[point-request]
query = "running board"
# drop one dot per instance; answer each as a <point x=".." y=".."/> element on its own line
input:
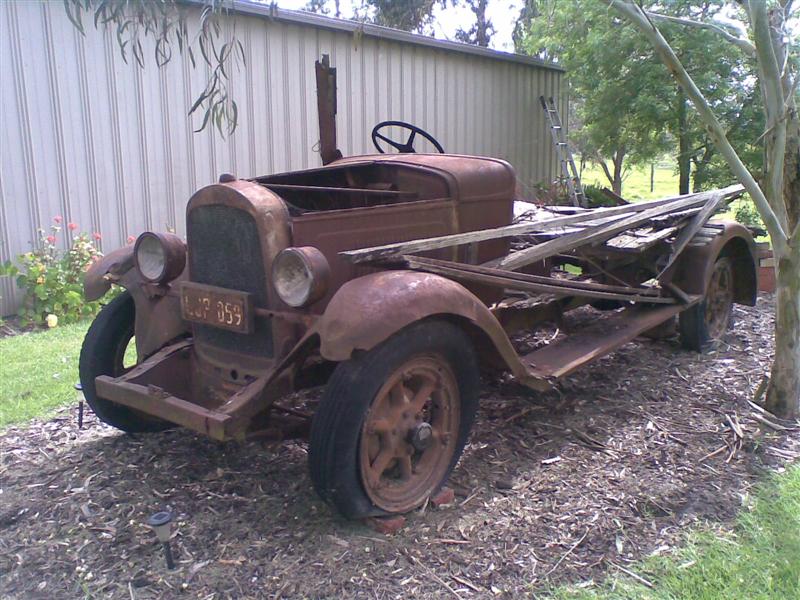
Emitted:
<point x="606" y="335"/>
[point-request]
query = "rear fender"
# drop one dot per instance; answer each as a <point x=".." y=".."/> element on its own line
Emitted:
<point x="692" y="271"/>
<point x="368" y="310"/>
<point x="158" y="310"/>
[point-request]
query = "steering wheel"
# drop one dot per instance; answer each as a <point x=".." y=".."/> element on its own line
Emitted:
<point x="408" y="147"/>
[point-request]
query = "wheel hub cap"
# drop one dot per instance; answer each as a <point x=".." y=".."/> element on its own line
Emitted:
<point x="421" y="436"/>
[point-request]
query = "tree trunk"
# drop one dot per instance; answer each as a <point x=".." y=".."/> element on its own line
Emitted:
<point x="783" y="394"/>
<point x="616" y="182"/>
<point x="700" y="175"/>
<point x="615" y="178"/>
<point x="684" y="158"/>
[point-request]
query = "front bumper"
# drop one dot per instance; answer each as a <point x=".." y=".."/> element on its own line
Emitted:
<point x="164" y="384"/>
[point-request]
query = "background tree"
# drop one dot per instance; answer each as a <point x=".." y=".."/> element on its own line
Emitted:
<point x="773" y="46"/>
<point x="409" y="15"/>
<point x="623" y="103"/>
<point x="725" y="76"/>
<point x="480" y="34"/>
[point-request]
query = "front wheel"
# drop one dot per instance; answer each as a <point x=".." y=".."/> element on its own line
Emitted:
<point x="103" y="353"/>
<point x="393" y="422"/>
<point x="704" y="324"/>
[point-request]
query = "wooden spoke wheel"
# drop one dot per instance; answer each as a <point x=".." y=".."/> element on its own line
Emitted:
<point x="394" y="420"/>
<point x="704" y="324"/>
<point x="719" y="299"/>
<point x="409" y="434"/>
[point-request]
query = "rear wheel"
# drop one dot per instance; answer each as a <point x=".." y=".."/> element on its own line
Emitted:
<point x="393" y="422"/>
<point x="704" y="324"/>
<point x="103" y="353"/>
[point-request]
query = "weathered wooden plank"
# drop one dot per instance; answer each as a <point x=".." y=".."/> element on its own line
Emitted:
<point x="694" y="226"/>
<point x="600" y="233"/>
<point x="504" y="280"/>
<point x="636" y="242"/>
<point x="596" y="215"/>
<point x="420" y="261"/>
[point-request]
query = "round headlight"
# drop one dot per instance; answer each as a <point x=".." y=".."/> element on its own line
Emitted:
<point x="160" y="257"/>
<point x="300" y="275"/>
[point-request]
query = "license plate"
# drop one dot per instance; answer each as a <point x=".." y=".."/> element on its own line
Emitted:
<point x="228" y="309"/>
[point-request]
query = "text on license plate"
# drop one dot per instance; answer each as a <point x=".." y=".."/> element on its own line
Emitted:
<point x="219" y="307"/>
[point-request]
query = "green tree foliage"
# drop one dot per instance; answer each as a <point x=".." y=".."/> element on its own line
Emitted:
<point x="730" y="89"/>
<point x="481" y="32"/>
<point x="408" y="15"/>
<point x="617" y="86"/>
<point x="626" y="108"/>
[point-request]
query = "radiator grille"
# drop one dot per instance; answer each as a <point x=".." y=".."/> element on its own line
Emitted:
<point x="225" y="250"/>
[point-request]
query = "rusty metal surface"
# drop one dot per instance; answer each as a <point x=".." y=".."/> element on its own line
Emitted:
<point x="692" y="271"/>
<point x="605" y="335"/>
<point x="115" y="263"/>
<point x="368" y="310"/>
<point x="410" y="434"/>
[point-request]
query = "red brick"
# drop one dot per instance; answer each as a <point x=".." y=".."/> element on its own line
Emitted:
<point x="386" y="525"/>
<point x="444" y="497"/>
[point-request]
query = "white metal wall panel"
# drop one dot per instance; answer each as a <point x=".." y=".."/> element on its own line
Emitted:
<point x="110" y="146"/>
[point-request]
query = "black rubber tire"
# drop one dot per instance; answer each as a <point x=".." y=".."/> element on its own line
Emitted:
<point x="693" y="328"/>
<point x="101" y="354"/>
<point x="336" y="429"/>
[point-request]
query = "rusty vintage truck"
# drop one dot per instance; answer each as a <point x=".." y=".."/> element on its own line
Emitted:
<point x="390" y="280"/>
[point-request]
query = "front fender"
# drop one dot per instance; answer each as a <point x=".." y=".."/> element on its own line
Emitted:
<point x="366" y="311"/>
<point x="158" y="312"/>
<point x="96" y="281"/>
<point x="692" y="271"/>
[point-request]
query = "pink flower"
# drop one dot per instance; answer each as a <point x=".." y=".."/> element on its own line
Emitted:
<point x="97" y="236"/>
<point x="51" y="239"/>
<point x="131" y="239"/>
<point x="58" y="219"/>
<point x="72" y="226"/>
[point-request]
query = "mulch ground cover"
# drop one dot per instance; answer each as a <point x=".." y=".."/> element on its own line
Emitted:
<point x="561" y="487"/>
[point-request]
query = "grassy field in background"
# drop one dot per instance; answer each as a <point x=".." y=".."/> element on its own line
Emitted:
<point x="759" y="559"/>
<point x="636" y="184"/>
<point x="38" y="371"/>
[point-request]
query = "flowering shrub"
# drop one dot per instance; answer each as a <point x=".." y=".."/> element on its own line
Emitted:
<point x="52" y="279"/>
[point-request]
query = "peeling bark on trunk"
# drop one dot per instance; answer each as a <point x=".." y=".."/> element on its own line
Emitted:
<point x="783" y="394"/>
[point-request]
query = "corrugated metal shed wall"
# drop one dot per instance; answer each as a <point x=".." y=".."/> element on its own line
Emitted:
<point x="108" y="145"/>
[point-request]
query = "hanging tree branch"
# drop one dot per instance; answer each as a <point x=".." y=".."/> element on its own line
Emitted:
<point x="745" y="45"/>
<point x="165" y="22"/>
<point x="775" y="222"/>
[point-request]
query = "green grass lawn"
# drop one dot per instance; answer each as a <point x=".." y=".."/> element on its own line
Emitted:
<point x="758" y="560"/>
<point x="636" y="184"/>
<point x="37" y="372"/>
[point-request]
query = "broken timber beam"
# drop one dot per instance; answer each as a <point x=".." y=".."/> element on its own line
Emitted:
<point x="595" y="216"/>
<point x="693" y="227"/>
<point x="533" y="283"/>
<point x="600" y="233"/>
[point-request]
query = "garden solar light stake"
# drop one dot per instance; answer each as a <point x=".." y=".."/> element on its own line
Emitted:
<point x="81" y="398"/>
<point x="160" y="523"/>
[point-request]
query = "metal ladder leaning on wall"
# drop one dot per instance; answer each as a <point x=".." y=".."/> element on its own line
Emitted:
<point x="563" y="152"/>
